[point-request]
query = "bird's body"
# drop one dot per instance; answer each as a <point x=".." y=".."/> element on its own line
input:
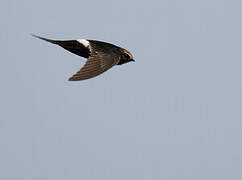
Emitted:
<point x="101" y="56"/>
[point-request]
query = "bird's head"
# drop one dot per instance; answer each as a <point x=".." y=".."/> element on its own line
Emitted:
<point x="127" y="56"/>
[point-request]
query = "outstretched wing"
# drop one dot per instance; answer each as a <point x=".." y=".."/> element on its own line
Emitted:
<point x="96" y="64"/>
<point x="75" y="46"/>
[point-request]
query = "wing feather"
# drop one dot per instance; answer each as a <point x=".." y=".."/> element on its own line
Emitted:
<point x="73" y="46"/>
<point x="95" y="65"/>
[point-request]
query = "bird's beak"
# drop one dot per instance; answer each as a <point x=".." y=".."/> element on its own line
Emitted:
<point x="132" y="60"/>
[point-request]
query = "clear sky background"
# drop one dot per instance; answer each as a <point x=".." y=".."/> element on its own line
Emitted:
<point x="174" y="114"/>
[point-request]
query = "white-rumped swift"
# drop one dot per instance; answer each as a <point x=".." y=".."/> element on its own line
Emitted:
<point x="101" y="56"/>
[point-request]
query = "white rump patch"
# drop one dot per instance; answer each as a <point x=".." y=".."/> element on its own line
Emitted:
<point x="84" y="42"/>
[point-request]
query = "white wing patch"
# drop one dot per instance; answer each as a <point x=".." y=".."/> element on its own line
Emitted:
<point x="84" y="42"/>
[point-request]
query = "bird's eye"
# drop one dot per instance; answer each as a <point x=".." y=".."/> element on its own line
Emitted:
<point x="126" y="56"/>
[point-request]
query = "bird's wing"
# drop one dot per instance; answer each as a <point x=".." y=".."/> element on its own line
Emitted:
<point x="73" y="46"/>
<point x="96" y="64"/>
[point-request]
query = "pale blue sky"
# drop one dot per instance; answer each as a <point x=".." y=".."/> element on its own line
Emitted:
<point x="174" y="114"/>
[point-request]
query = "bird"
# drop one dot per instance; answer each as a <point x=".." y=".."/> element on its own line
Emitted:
<point x="101" y="56"/>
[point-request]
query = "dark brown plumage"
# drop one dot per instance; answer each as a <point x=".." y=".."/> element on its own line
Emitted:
<point x="101" y="56"/>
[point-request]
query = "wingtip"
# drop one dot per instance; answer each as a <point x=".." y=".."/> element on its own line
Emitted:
<point x="72" y="79"/>
<point x="75" y="78"/>
<point x="35" y="36"/>
<point x="45" y="39"/>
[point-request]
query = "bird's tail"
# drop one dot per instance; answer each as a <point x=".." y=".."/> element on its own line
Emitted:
<point x="45" y="39"/>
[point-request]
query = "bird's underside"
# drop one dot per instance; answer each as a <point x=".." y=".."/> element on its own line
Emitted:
<point x="100" y="56"/>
